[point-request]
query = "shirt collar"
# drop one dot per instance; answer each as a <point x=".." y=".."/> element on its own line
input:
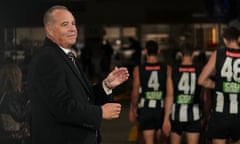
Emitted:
<point x="66" y="51"/>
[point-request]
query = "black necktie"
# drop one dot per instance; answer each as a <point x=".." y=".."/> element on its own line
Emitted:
<point x="72" y="57"/>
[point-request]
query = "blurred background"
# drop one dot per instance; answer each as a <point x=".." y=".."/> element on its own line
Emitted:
<point x="113" y="33"/>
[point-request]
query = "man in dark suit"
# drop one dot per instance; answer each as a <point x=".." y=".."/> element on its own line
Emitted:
<point x="66" y="108"/>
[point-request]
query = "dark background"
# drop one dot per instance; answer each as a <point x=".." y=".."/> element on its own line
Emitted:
<point x="29" y="13"/>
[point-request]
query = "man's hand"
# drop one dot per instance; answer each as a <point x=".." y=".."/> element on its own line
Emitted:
<point x="116" y="77"/>
<point x="132" y="114"/>
<point x="111" y="110"/>
<point x="166" y="127"/>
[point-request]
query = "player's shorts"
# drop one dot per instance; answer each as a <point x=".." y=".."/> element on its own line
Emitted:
<point x="224" y="126"/>
<point x="191" y="127"/>
<point x="150" y="118"/>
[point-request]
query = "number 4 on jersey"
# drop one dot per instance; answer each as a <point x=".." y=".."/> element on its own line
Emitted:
<point x="153" y="81"/>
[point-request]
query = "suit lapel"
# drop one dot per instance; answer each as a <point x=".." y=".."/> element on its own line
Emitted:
<point x="82" y="79"/>
<point x="80" y="75"/>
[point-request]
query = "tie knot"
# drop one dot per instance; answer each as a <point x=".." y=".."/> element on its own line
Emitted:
<point x="71" y="55"/>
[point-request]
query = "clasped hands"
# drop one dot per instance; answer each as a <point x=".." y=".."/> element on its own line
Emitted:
<point x="114" y="79"/>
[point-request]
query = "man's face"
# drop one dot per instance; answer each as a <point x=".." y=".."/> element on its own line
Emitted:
<point x="62" y="28"/>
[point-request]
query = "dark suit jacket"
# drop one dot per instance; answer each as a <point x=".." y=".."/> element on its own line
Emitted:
<point x="65" y="106"/>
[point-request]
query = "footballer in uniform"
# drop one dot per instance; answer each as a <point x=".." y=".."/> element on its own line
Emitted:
<point x="149" y="89"/>
<point x="225" y="109"/>
<point x="183" y="101"/>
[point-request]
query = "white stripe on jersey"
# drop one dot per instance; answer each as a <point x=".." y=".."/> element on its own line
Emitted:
<point x="184" y="110"/>
<point x="219" y="102"/>
<point x="162" y="103"/>
<point x="140" y="90"/>
<point x="173" y="111"/>
<point x="196" y="112"/>
<point x="152" y="103"/>
<point x="233" y="104"/>
<point x="141" y="103"/>
<point x="183" y="117"/>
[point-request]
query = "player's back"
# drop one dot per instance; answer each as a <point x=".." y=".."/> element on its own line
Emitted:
<point x="152" y="84"/>
<point x="187" y="92"/>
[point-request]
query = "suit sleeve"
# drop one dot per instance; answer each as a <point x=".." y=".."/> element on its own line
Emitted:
<point x="50" y="87"/>
<point x="100" y="95"/>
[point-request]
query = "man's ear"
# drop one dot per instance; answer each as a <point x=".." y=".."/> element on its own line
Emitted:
<point x="195" y="54"/>
<point x="179" y="55"/>
<point x="225" y="41"/>
<point x="49" y="29"/>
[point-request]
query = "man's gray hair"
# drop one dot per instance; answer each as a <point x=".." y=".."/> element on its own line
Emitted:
<point x="48" y="13"/>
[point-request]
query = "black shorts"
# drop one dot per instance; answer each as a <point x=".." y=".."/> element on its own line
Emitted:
<point x="180" y="127"/>
<point x="150" y="118"/>
<point x="224" y="126"/>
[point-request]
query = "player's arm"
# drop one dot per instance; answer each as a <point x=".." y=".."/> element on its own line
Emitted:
<point x="168" y="102"/>
<point x="208" y="69"/>
<point x="134" y="94"/>
<point x="206" y="97"/>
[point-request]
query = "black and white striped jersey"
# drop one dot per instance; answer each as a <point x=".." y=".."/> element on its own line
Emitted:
<point x="152" y="85"/>
<point x="186" y="106"/>
<point x="227" y="91"/>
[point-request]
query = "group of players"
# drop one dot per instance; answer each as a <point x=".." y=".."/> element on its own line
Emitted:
<point x="172" y="100"/>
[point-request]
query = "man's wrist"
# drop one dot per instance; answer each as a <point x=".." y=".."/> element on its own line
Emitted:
<point x="106" y="88"/>
<point x="107" y="84"/>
